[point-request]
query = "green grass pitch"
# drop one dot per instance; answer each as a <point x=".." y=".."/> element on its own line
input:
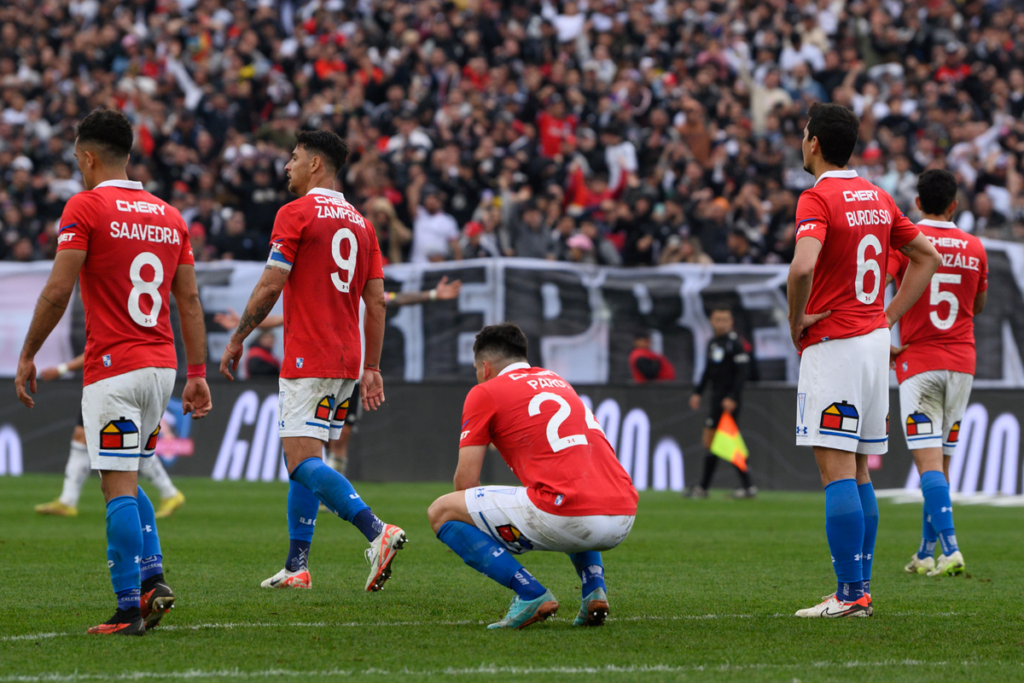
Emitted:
<point x="701" y="591"/>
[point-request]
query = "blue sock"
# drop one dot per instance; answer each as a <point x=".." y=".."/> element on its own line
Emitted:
<point x="929" y="537"/>
<point x="335" y="491"/>
<point x="869" y="504"/>
<point x="844" y="526"/>
<point x="480" y="552"/>
<point x="302" y="509"/>
<point x="152" y="557"/>
<point x="124" y="548"/>
<point x="940" y="508"/>
<point x="590" y="569"/>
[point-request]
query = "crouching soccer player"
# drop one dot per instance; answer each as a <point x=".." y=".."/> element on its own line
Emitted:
<point x="935" y="364"/>
<point x="575" y="497"/>
<point x="130" y="252"/>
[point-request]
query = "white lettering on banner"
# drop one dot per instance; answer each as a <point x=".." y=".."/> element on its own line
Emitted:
<point x="861" y="196"/>
<point x="141" y="207"/>
<point x="150" y="233"/>
<point x="264" y="453"/>
<point x="10" y="452"/>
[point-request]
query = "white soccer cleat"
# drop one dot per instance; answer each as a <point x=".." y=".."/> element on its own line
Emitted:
<point x="832" y="607"/>
<point x="919" y="566"/>
<point x="287" y="579"/>
<point x="380" y="555"/>
<point x="949" y="565"/>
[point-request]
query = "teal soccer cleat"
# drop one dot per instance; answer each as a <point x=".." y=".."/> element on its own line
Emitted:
<point x="593" y="609"/>
<point x="522" y="613"/>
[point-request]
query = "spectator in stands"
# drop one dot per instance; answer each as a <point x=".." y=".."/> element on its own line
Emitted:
<point x="238" y="243"/>
<point x="392" y="234"/>
<point x="646" y="364"/>
<point x="435" y="234"/>
<point x="261" y="361"/>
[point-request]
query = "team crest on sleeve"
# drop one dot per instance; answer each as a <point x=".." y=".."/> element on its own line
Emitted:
<point x="919" y="424"/>
<point x="954" y="433"/>
<point x="151" y="441"/>
<point x="514" y="538"/>
<point x="841" y="417"/>
<point x="119" y="435"/>
<point x="341" y="412"/>
<point x="324" y="408"/>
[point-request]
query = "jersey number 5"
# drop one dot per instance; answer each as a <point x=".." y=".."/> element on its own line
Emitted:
<point x="938" y="296"/>
<point x="140" y="287"/>
<point x="347" y="265"/>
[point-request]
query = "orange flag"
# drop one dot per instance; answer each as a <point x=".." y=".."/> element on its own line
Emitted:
<point x="728" y="443"/>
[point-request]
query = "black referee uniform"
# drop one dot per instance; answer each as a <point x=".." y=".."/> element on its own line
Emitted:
<point x="726" y="371"/>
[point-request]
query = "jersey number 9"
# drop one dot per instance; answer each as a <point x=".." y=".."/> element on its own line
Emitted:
<point x="347" y="265"/>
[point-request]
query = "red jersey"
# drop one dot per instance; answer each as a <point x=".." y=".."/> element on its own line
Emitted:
<point x="857" y="224"/>
<point x="550" y="440"/>
<point x="553" y="131"/>
<point x="939" y="327"/>
<point x="134" y="244"/>
<point x="666" y="372"/>
<point x="331" y="251"/>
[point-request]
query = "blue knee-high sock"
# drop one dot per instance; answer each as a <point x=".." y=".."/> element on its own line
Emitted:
<point x="940" y="508"/>
<point x="335" y="491"/>
<point x="480" y="552"/>
<point x="124" y="547"/>
<point x="302" y="509"/>
<point x="590" y="569"/>
<point x="869" y="504"/>
<point x="152" y="557"/>
<point x="929" y="536"/>
<point x="844" y="526"/>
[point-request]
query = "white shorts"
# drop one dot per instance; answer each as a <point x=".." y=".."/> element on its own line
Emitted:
<point x="313" y="406"/>
<point x="842" y="398"/>
<point x="121" y="416"/>
<point x="931" y="406"/>
<point x="508" y="516"/>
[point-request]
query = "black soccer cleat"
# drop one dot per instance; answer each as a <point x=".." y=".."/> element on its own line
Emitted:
<point x="156" y="602"/>
<point x="124" y="623"/>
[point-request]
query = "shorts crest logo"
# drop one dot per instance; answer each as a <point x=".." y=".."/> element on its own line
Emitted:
<point x="954" y="433"/>
<point x="341" y="412"/>
<point x="841" y="417"/>
<point x="919" y="424"/>
<point x="119" y="435"/>
<point x="514" y="538"/>
<point x="324" y="408"/>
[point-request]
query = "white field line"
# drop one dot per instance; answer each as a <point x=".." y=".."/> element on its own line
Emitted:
<point x="483" y="670"/>
<point x="467" y="622"/>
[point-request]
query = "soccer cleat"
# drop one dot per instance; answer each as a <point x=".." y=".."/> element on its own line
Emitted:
<point x="522" y="613"/>
<point x="381" y="554"/>
<point x="155" y="603"/>
<point x="593" y="609"/>
<point x="123" y="623"/>
<point x="339" y="465"/>
<point x="919" y="566"/>
<point x="58" y="508"/>
<point x="741" y="493"/>
<point x="169" y="505"/>
<point x="287" y="579"/>
<point x="696" y="492"/>
<point x="949" y="565"/>
<point x="832" y="607"/>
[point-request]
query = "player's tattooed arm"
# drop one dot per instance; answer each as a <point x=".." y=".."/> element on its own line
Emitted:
<point x="251" y="319"/>
<point x="263" y="299"/>
<point x="906" y="249"/>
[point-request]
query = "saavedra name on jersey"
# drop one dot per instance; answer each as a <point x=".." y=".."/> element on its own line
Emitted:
<point x="150" y="233"/>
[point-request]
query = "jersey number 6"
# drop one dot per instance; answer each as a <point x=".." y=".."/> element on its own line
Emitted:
<point x="867" y="265"/>
<point x="348" y="265"/>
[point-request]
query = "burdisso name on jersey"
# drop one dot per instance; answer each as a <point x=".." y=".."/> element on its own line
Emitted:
<point x="869" y="217"/>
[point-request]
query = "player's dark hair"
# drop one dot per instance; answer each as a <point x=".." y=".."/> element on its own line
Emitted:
<point x="721" y="307"/>
<point x="937" y="190"/>
<point x="326" y="145"/>
<point x="836" y="128"/>
<point x="110" y="130"/>
<point x="504" y="339"/>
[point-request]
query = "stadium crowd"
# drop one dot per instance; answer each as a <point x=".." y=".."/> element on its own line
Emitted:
<point x="598" y="131"/>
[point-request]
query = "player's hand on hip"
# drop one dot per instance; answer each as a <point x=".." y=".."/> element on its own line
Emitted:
<point x="728" y="405"/>
<point x="26" y="374"/>
<point x="229" y="361"/>
<point x="800" y="324"/>
<point x="371" y="390"/>
<point x="895" y="351"/>
<point x="695" y="402"/>
<point x="196" y="398"/>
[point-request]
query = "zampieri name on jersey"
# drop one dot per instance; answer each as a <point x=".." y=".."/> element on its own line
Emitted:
<point x="333" y="207"/>
<point x="150" y="233"/>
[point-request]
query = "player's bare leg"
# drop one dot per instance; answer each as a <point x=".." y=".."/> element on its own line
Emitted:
<point x="933" y="467"/>
<point x="303" y="455"/>
<point x="844" y="527"/>
<point x="76" y="473"/>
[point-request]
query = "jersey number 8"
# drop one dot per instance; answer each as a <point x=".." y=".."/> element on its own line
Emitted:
<point x="347" y="265"/>
<point x="140" y="287"/>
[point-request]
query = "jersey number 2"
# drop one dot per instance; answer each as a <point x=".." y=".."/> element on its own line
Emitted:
<point x="347" y="265"/>
<point x="140" y="287"/>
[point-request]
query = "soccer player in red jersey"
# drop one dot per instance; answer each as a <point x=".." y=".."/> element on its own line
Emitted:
<point x="129" y="251"/>
<point x="935" y="364"/>
<point x="838" y="320"/>
<point x="575" y="498"/>
<point x="324" y="257"/>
